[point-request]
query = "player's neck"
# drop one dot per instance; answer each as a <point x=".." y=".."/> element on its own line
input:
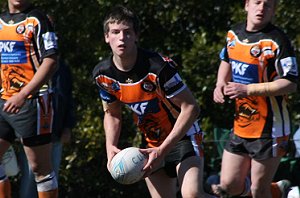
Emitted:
<point x="125" y="63"/>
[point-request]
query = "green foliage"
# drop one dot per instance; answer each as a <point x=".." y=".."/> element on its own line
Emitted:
<point x="191" y="32"/>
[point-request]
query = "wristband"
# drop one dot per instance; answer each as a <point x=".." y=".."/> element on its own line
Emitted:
<point x="261" y="89"/>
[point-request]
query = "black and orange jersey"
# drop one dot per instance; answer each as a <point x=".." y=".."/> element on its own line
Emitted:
<point x="25" y="39"/>
<point x="257" y="57"/>
<point x="146" y="90"/>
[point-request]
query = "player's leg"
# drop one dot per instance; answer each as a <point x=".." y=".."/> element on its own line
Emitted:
<point x="7" y="136"/>
<point x="262" y="173"/>
<point x="36" y="138"/>
<point x="160" y="185"/>
<point x="266" y="156"/>
<point x="190" y="167"/>
<point x="190" y="177"/>
<point x="5" y="188"/>
<point x="39" y="158"/>
<point x="27" y="181"/>
<point x="234" y="171"/>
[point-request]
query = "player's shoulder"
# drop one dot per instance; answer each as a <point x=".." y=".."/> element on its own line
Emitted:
<point x="156" y="60"/>
<point x="238" y="27"/>
<point x="102" y="67"/>
<point x="36" y="12"/>
<point x="276" y="33"/>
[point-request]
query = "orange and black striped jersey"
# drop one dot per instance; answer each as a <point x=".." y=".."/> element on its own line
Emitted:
<point x="257" y="57"/>
<point x="146" y="90"/>
<point x="25" y="39"/>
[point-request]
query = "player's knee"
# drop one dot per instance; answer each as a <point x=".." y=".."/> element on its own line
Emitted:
<point x="47" y="183"/>
<point x="189" y="193"/>
<point x="231" y="188"/>
<point x="258" y="191"/>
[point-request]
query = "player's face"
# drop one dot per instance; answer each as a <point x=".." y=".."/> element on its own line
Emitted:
<point x="122" y="38"/>
<point x="260" y="13"/>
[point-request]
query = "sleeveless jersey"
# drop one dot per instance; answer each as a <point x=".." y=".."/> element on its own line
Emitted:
<point x="257" y="57"/>
<point x="146" y="90"/>
<point x="25" y="39"/>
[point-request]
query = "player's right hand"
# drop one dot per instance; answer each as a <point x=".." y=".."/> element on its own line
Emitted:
<point x="219" y="95"/>
<point x="111" y="152"/>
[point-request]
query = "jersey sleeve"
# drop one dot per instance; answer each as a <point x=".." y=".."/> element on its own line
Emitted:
<point x="45" y="37"/>
<point x="286" y="64"/>
<point x="106" y="96"/>
<point x="170" y="81"/>
<point x="223" y="55"/>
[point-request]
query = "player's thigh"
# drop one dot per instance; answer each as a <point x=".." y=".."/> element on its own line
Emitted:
<point x="190" y="175"/>
<point x="263" y="171"/>
<point x="39" y="158"/>
<point x="235" y="168"/>
<point x="161" y="185"/>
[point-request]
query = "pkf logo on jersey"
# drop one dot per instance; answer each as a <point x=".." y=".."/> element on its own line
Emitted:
<point x="140" y="108"/>
<point x="244" y="73"/>
<point x="12" y="52"/>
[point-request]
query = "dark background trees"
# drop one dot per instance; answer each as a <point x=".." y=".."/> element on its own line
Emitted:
<point x="191" y="32"/>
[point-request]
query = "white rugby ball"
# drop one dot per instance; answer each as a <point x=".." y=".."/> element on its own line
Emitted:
<point x="126" y="166"/>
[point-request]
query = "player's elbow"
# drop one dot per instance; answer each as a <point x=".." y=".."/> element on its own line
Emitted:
<point x="196" y="111"/>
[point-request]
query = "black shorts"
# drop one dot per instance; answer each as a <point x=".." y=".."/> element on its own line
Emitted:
<point x="187" y="147"/>
<point x="32" y="124"/>
<point x="257" y="148"/>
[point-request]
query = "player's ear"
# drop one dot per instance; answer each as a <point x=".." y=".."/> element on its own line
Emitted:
<point x="246" y="5"/>
<point x="106" y="37"/>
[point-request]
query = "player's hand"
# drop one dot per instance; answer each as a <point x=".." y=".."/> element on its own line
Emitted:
<point x="218" y="94"/>
<point x="154" y="160"/>
<point x="14" y="104"/>
<point x="235" y="90"/>
<point x="111" y="152"/>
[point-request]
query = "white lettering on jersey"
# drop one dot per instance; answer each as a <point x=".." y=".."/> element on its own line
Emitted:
<point x="49" y="40"/>
<point x="7" y="46"/>
<point x="289" y="66"/>
<point x="139" y="108"/>
<point x="239" y="68"/>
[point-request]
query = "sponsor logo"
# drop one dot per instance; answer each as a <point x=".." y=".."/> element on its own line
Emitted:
<point x="49" y="39"/>
<point x="148" y="86"/>
<point x="139" y="108"/>
<point x="289" y="66"/>
<point x="255" y="51"/>
<point x="245" y="40"/>
<point x="7" y="46"/>
<point x="20" y="29"/>
<point x="239" y="68"/>
<point x="129" y="80"/>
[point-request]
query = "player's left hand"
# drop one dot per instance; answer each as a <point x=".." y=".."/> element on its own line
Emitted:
<point x="235" y="90"/>
<point x="14" y="104"/>
<point x="154" y="159"/>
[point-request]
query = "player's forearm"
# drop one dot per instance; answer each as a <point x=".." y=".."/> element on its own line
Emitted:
<point x="112" y="127"/>
<point x="224" y="74"/>
<point x="275" y="88"/>
<point x="43" y="74"/>
<point x="186" y="119"/>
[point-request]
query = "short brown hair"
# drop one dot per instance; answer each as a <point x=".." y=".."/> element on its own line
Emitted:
<point x="121" y="14"/>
